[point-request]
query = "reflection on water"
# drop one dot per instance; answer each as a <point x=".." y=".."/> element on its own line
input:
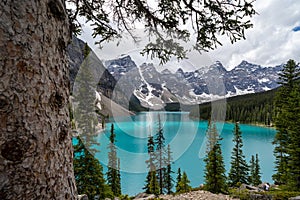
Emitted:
<point x="187" y="140"/>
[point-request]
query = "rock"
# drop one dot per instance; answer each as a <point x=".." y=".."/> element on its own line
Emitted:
<point x="197" y="195"/>
<point x="82" y="197"/>
<point x="295" y="198"/>
<point x="142" y="196"/>
<point x="250" y="187"/>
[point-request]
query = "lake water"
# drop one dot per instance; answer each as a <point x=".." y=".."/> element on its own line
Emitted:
<point x="188" y="144"/>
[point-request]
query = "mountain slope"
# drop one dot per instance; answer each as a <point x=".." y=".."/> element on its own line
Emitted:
<point x="257" y="108"/>
<point x="156" y="89"/>
<point x="101" y="80"/>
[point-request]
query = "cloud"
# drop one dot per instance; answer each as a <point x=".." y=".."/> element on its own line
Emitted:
<point x="273" y="40"/>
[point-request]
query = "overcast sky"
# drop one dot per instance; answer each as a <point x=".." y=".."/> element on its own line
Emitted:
<point x="273" y="40"/>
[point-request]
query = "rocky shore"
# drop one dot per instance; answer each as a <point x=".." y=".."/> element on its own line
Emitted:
<point x="195" y="195"/>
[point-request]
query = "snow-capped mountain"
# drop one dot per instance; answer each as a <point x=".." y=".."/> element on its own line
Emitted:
<point x="156" y="89"/>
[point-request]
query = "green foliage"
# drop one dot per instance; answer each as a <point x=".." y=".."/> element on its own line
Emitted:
<point x="294" y="145"/>
<point x="178" y="180"/>
<point x="113" y="172"/>
<point x="250" y="108"/>
<point x="254" y="178"/>
<point x="239" y="169"/>
<point x="215" y="179"/>
<point x="277" y="194"/>
<point x="287" y="122"/>
<point x="161" y="156"/>
<point x="159" y="164"/>
<point x="164" y="22"/>
<point x="152" y="185"/>
<point x="88" y="172"/>
<point x="168" y="180"/>
<point x="239" y="193"/>
<point x="184" y="184"/>
<point x="283" y="194"/>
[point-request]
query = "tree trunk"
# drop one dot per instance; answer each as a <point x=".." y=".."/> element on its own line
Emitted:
<point x="36" y="159"/>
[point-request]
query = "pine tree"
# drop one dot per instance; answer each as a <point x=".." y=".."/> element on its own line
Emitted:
<point x="252" y="170"/>
<point x="183" y="184"/>
<point x="168" y="178"/>
<point x="113" y="172"/>
<point x="215" y="179"/>
<point x="152" y="185"/>
<point x="178" y="179"/>
<point x="293" y="115"/>
<point x="254" y="178"/>
<point x="161" y="156"/>
<point x="88" y="172"/>
<point x="289" y="79"/>
<point x="239" y="169"/>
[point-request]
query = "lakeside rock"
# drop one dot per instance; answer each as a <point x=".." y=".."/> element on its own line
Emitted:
<point x="197" y="195"/>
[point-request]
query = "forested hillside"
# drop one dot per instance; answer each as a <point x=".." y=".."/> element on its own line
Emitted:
<point x="255" y="108"/>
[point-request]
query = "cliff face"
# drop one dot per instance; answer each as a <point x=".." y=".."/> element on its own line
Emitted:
<point x="75" y="52"/>
<point x="100" y="79"/>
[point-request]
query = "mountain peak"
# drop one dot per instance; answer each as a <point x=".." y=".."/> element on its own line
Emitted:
<point x="217" y="66"/>
<point x="166" y="71"/>
<point x="180" y="71"/>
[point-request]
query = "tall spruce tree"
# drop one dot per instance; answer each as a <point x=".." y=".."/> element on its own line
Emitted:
<point x="239" y="169"/>
<point x="113" y="171"/>
<point x="183" y="184"/>
<point x="215" y="178"/>
<point x="254" y="178"/>
<point x="152" y="185"/>
<point x="88" y="171"/>
<point x="178" y="179"/>
<point x="293" y="115"/>
<point x="161" y="156"/>
<point x="285" y="121"/>
<point x="169" y="182"/>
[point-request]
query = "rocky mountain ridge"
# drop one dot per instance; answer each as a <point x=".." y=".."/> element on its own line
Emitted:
<point x="156" y="89"/>
<point x="143" y="87"/>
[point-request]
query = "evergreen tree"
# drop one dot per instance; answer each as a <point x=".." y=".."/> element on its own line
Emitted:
<point x="161" y="156"/>
<point x="113" y="172"/>
<point x="168" y="178"/>
<point x="183" y="184"/>
<point x="239" y="169"/>
<point x="178" y="179"/>
<point x="293" y="115"/>
<point x="87" y="169"/>
<point x="88" y="172"/>
<point x="254" y="178"/>
<point x="252" y="170"/>
<point x="152" y="185"/>
<point x="215" y="179"/>
<point x="285" y="121"/>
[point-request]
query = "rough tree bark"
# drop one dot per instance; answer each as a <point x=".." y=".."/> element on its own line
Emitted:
<point x="35" y="141"/>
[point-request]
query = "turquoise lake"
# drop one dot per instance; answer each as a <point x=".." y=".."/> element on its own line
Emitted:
<point x="188" y="144"/>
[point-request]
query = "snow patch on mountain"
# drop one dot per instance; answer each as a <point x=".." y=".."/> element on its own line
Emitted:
<point x="155" y="89"/>
<point x="263" y="80"/>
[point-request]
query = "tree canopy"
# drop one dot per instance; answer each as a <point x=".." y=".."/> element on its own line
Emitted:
<point x="169" y="22"/>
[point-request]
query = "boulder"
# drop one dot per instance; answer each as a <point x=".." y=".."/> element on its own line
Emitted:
<point x="295" y="198"/>
<point x="82" y="197"/>
<point x="142" y="196"/>
<point x="250" y="187"/>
